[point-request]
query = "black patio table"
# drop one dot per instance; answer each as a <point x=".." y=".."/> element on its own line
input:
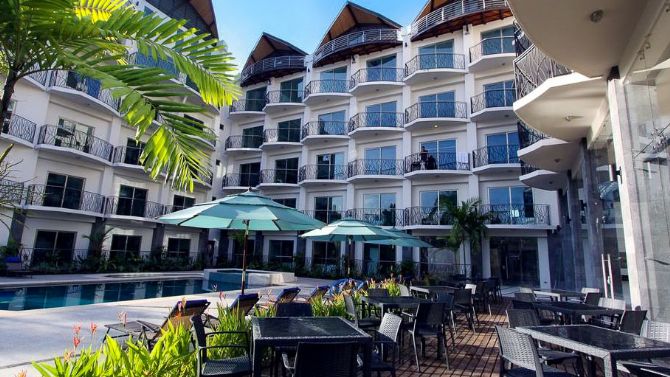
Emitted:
<point x="574" y="310"/>
<point x="427" y="290"/>
<point x="289" y="331"/>
<point x="609" y="345"/>
<point x="557" y="294"/>
<point x="393" y="302"/>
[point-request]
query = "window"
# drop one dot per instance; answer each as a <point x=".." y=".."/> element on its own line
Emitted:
<point x="53" y="247"/>
<point x="499" y="94"/>
<point x="63" y="191"/>
<point x="291" y="90"/>
<point x="438" y="154"/>
<point x="180" y="202"/>
<point x="502" y="148"/>
<point x="281" y="251"/>
<point x="326" y="255"/>
<point x="378" y="259"/>
<point x="332" y="123"/>
<point x="330" y="166"/>
<point x="73" y="135"/>
<point x="511" y="205"/>
<point x="379" y="209"/>
<point x="289" y="202"/>
<point x="498" y="41"/>
<point x="333" y="81"/>
<point x="434" y="205"/>
<point x="125" y="246"/>
<point x="289" y="131"/>
<point x="249" y="174"/>
<point x="132" y="201"/>
<point x="334" y="74"/>
<point x="382" y="69"/>
<point x="238" y="251"/>
<point x="255" y="99"/>
<point x="178" y="247"/>
<point x="380" y="161"/>
<point x="252" y="137"/>
<point x="438" y="105"/>
<point x="133" y="152"/>
<point x="286" y="170"/>
<point x="328" y="208"/>
<point x="381" y="115"/>
<point x="197" y="123"/>
<point x="438" y="55"/>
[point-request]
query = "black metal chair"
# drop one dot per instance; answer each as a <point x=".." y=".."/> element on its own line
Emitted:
<point x="229" y="367"/>
<point x="631" y="321"/>
<point x="362" y="323"/>
<point x="520" y="351"/>
<point x="385" y="340"/>
<point x="429" y="323"/>
<point x="591" y="298"/>
<point x="447" y="299"/>
<point x="655" y="330"/>
<point x="463" y="304"/>
<point x="294" y="309"/>
<point x="324" y="360"/>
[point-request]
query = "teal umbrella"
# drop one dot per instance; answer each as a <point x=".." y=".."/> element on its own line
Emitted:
<point x="402" y="239"/>
<point x="246" y="211"/>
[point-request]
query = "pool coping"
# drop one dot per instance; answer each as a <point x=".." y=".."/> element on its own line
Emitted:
<point x="96" y="278"/>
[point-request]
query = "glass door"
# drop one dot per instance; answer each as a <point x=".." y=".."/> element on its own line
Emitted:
<point x="63" y="191"/>
<point x="330" y="166"/>
<point x="438" y="55"/>
<point x="382" y="69"/>
<point x="438" y="105"/>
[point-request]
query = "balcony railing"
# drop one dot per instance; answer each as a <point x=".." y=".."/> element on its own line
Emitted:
<point x="532" y="68"/>
<point x="326" y="86"/>
<point x="437" y="161"/>
<point x="322" y="172"/>
<point x="40" y="77"/>
<point x="517" y="214"/>
<point x="436" y="109"/>
<point x="527" y="169"/>
<point x="147" y="61"/>
<point x="241" y="180"/>
<point x="493" y="98"/>
<point x="76" y="140"/>
<point x="87" y="85"/>
<point x="284" y="96"/>
<point x="492" y="46"/>
<point x="454" y="10"/>
<point x="358" y="38"/>
<point x="247" y="105"/>
<point x="61" y="197"/>
<point x="423" y="62"/>
<point x="11" y="191"/>
<point x="379" y="216"/>
<point x="528" y="136"/>
<point x="272" y="64"/>
<point x="288" y="176"/>
<point x="282" y="135"/>
<point x="244" y="141"/>
<point x="375" y="167"/>
<point x="375" y="75"/>
<point x="19" y="127"/>
<point x="124" y="154"/>
<point x="325" y="215"/>
<point x="133" y="207"/>
<point x="376" y="119"/>
<point x="495" y="154"/>
<point x="427" y="216"/>
<point x="324" y="128"/>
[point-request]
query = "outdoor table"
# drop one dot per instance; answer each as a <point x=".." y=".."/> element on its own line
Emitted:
<point x="393" y="302"/>
<point x="574" y="310"/>
<point x="427" y="290"/>
<point x="289" y="331"/>
<point x="609" y="345"/>
<point x="557" y="294"/>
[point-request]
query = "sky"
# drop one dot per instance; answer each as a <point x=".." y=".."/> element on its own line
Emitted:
<point x="300" y="22"/>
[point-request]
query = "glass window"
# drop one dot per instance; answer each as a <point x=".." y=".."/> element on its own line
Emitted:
<point x="379" y="259"/>
<point x="437" y="55"/>
<point x="132" y="201"/>
<point x="511" y="205"/>
<point x="63" y="191"/>
<point x="197" y="123"/>
<point x="502" y="148"/>
<point x="381" y="115"/>
<point x="250" y="174"/>
<point x="382" y="69"/>
<point x="326" y="255"/>
<point x="379" y="209"/>
<point x="73" y="135"/>
<point x="333" y="81"/>
<point x="252" y="137"/>
<point x="286" y="170"/>
<point x="53" y="247"/>
<point x="498" y="41"/>
<point x="291" y="90"/>
<point x="133" y="152"/>
<point x="125" y="246"/>
<point x="438" y="105"/>
<point x="255" y="99"/>
<point x="499" y="94"/>
<point x="438" y="199"/>
<point x="281" y="251"/>
<point x="289" y="202"/>
<point x="178" y="247"/>
<point x="332" y="123"/>
<point x="438" y="154"/>
<point x="330" y="166"/>
<point x="289" y="131"/>
<point x="328" y="208"/>
<point x="380" y="161"/>
<point x="180" y="202"/>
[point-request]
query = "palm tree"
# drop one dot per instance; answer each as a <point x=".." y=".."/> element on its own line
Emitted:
<point x="94" y="38"/>
<point x="468" y="224"/>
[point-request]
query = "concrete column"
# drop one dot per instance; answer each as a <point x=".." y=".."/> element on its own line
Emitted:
<point x="486" y="258"/>
<point x="259" y="247"/>
<point x="224" y="248"/>
<point x="17" y="225"/>
<point x="576" y="264"/>
<point x="203" y="237"/>
<point x="543" y="262"/>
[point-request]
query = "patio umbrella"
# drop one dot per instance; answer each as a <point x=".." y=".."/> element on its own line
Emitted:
<point x="349" y="230"/>
<point x="246" y="211"/>
<point x="402" y="239"/>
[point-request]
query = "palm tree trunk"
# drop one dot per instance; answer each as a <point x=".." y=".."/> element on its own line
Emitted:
<point x="8" y="92"/>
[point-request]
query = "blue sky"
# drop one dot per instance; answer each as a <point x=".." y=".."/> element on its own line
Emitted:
<point x="300" y="22"/>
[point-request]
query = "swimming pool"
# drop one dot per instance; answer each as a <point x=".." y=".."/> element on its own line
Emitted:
<point x="42" y="297"/>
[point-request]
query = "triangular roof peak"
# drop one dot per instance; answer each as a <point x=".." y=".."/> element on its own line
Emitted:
<point x="269" y="45"/>
<point x="353" y="15"/>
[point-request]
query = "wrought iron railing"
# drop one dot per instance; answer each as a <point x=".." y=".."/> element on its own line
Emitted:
<point x="528" y="136"/>
<point x="493" y="98"/>
<point x="247" y="104"/>
<point x="376" y="119"/>
<point x="133" y="207"/>
<point x="11" y="191"/>
<point x="532" y="68"/>
<point x="325" y="215"/>
<point x="20" y="127"/>
<point x="527" y="169"/>
<point x="147" y="61"/>
<point x="453" y="10"/>
<point x="323" y="171"/>
<point x="62" y="197"/>
<point x="324" y="128"/>
<point x="375" y="167"/>
<point x="492" y="46"/>
<point x="281" y="135"/>
<point x="517" y="214"/>
<point x="379" y="216"/>
<point x="272" y="64"/>
<point x="241" y="180"/>
<point x="437" y="161"/>
<point x="326" y="86"/>
<point x="40" y="77"/>
<point x="436" y="109"/>
<point x="244" y="141"/>
<point x="495" y="154"/>
<point x="76" y="140"/>
<point x="355" y="39"/>
<point x="87" y="85"/>
<point x="284" y="96"/>
<point x="289" y="176"/>
<point x="423" y="62"/>
<point x="427" y="216"/>
<point x="124" y="154"/>
<point x="364" y="75"/>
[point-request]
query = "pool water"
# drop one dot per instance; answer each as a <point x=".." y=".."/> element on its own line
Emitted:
<point x="27" y="298"/>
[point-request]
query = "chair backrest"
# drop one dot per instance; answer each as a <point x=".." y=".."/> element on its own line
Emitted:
<point x="350" y="306"/>
<point x="378" y="292"/>
<point x="429" y="314"/>
<point x="612" y="303"/>
<point x="199" y="331"/>
<point x="287" y="294"/>
<point x="525" y="296"/>
<point x="326" y="360"/>
<point x="318" y="292"/>
<point x="516" y="304"/>
<point x="404" y="291"/>
<point x="471" y="287"/>
<point x="522" y="317"/>
<point x="631" y="321"/>
<point x="525" y="290"/>
<point x="592" y="298"/>
<point x="657" y="330"/>
<point x="518" y="349"/>
<point x="390" y="327"/>
<point x="244" y="303"/>
<point x="462" y="297"/>
<point x="181" y="313"/>
<point x="586" y="290"/>
<point x="446" y="298"/>
<point x="294" y="309"/>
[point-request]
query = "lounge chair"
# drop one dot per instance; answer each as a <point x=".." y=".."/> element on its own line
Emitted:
<point x="316" y="294"/>
<point x="15" y="267"/>
<point x="229" y="367"/>
<point x="243" y="304"/>
<point x="286" y="295"/>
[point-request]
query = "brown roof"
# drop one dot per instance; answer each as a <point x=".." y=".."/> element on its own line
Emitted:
<point x="269" y="44"/>
<point x="431" y="5"/>
<point x="353" y="15"/>
<point x="206" y="12"/>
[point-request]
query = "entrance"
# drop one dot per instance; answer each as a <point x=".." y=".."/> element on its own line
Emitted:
<point x="514" y="260"/>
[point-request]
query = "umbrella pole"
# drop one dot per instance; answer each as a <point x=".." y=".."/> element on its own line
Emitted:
<point x="244" y="255"/>
<point x="349" y="255"/>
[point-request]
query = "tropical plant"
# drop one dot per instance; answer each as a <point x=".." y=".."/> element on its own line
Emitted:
<point x="230" y="320"/>
<point x="329" y="308"/>
<point x="94" y="38"/>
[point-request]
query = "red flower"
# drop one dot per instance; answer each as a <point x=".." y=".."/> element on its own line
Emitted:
<point x="76" y="329"/>
<point x="76" y="340"/>
<point x="93" y="328"/>
<point x="22" y="373"/>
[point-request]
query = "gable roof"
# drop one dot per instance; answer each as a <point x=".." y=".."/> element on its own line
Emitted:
<point x="353" y="15"/>
<point x="267" y="45"/>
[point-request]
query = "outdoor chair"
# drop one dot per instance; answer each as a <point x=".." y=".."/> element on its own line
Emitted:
<point x="316" y="294"/>
<point x="385" y="344"/>
<point x="480" y="295"/>
<point x="323" y="360"/>
<point x="376" y="292"/>
<point x="631" y="321"/>
<point x="447" y="299"/>
<point x="520" y="351"/>
<point x="609" y="321"/>
<point x="404" y="291"/>
<point x="591" y="298"/>
<point x="294" y="309"/>
<point x="653" y="330"/>
<point x="286" y="295"/>
<point x="229" y="367"/>
<point x="148" y="332"/>
<point x="242" y="304"/>
<point x="492" y="289"/>
<point x="463" y="304"/>
<point x="429" y="323"/>
<point x="364" y="324"/>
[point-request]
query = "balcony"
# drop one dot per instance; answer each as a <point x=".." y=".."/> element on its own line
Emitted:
<point x="425" y="68"/>
<point x="247" y="109"/>
<point x="517" y="215"/>
<point x="492" y="53"/>
<point x="325" y="215"/>
<point x="126" y="156"/>
<point x="244" y="144"/>
<point x="426" y="166"/>
<point x="393" y="217"/>
<point x="374" y="124"/>
<point x="278" y="178"/>
<point x="321" y="91"/>
<point x="321" y="175"/>
<point x="278" y="101"/>
<point x="374" y="170"/>
<point x="436" y="114"/>
<point x="83" y="90"/>
<point x="271" y="67"/>
<point x="493" y="105"/>
<point x="77" y="143"/>
<point x="240" y="181"/>
<point x="357" y="43"/>
<point x="544" y="152"/>
<point x="371" y="80"/>
<point x="129" y="207"/>
<point x="281" y="138"/>
<point x="17" y="127"/>
<point x="40" y="78"/>
<point x="543" y="179"/>
<point x="495" y="159"/>
<point x="57" y="198"/>
<point x="427" y="218"/>
<point x="323" y="131"/>
<point x="456" y="14"/>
